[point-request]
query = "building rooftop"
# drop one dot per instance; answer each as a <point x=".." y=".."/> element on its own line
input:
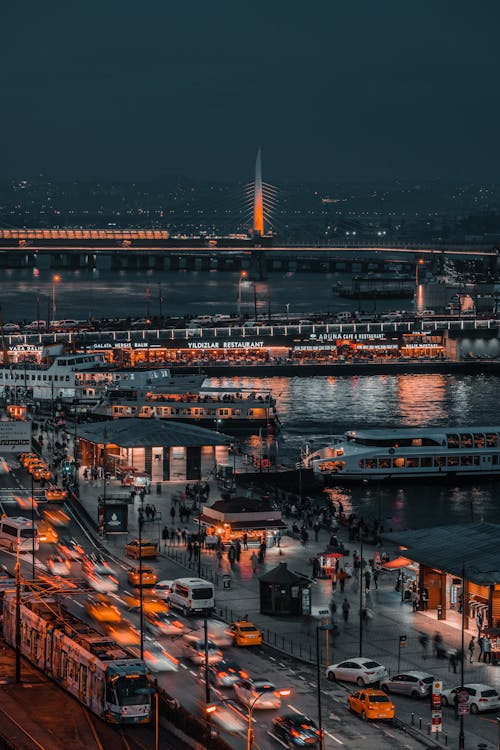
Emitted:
<point x="133" y="433"/>
<point x="472" y="548"/>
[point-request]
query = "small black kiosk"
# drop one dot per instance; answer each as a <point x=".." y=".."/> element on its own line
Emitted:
<point x="283" y="593"/>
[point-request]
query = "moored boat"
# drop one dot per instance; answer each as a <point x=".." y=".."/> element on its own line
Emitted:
<point x="409" y="453"/>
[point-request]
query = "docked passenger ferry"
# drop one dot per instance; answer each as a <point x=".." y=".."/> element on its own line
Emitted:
<point x="410" y="453"/>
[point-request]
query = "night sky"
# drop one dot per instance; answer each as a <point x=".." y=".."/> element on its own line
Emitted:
<point x="352" y="90"/>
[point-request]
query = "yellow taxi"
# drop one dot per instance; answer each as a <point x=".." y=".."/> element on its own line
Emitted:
<point x="56" y="517"/>
<point x="143" y="549"/>
<point x="101" y="608"/>
<point x="369" y="703"/>
<point x="40" y="471"/>
<point x="149" y="603"/>
<point x="54" y="493"/>
<point x="33" y="462"/>
<point x="245" y="634"/>
<point x="46" y="533"/>
<point x="25" y="458"/>
<point x="148" y="578"/>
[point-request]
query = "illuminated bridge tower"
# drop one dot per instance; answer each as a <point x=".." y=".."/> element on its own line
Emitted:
<point x="258" y="198"/>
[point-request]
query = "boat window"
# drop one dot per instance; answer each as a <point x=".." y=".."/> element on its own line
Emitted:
<point x="494" y="460"/>
<point x="453" y="441"/>
<point x="371" y="463"/>
<point x="452" y="460"/>
<point x="478" y="440"/>
<point x="399" y="462"/>
<point x="384" y="463"/>
<point x="492" y="439"/>
<point x="466" y="441"/>
<point x="412" y="463"/>
<point x="465" y="460"/>
<point x="426" y="461"/>
<point x="439" y="460"/>
<point x="362" y="463"/>
<point x="416" y="442"/>
<point x="476" y="460"/>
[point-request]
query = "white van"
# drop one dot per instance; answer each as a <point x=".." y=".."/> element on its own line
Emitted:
<point x="16" y="533"/>
<point x="191" y="595"/>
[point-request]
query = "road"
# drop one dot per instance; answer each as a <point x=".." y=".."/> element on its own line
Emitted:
<point x="342" y="729"/>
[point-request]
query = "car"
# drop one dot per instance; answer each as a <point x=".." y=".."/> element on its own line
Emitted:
<point x="123" y="633"/>
<point x="371" y="704"/>
<point x="245" y="634"/>
<point x="412" y="683"/>
<point x="97" y="563"/>
<point x="143" y="549"/>
<point x="227" y="718"/>
<point x="70" y="548"/>
<point x="46" y="532"/>
<point x="296" y="730"/>
<point x="194" y="649"/>
<point x="163" y="623"/>
<point x="259" y="693"/>
<point x="11" y="327"/>
<point x="149" y="603"/>
<point x="218" y="632"/>
<point x="146" y="577"/>
<point x="36" y="325"/>
<point x="102" y="609"/>
<point x="54" y="493"/>
<point x="481" y="697"/>
<point x="58" y="565"/>
<point x="25" y="458"/>
<point x="103" y="584"/>
<point x="361" y="670"/>
<point x="162" y="589"/>
<point x="141" y="323"/>
<point x="57" y="517"/>
<point x="224" y="673"/>
<point x="158" y="659"/>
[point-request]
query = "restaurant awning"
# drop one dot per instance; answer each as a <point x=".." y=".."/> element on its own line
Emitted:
<point x="398" y="562"/>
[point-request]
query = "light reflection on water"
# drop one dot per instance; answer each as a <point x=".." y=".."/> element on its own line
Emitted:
<point x="313" y="408"/>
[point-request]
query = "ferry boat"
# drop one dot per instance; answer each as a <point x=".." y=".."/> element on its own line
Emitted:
<point x="409" y="453"/>
<point x="185" y="399"/>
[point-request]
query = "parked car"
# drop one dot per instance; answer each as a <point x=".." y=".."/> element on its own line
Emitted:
<point x="371" y="704"/>
<point x="481" y="697"/>
<point x="296" y="730"/>
<point x="412" y="683"/>
<point x="360" y="670"/>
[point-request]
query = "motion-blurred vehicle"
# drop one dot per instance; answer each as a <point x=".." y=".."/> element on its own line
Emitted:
<point x="123" y="633"/>
<point x="158" y="659"/>
<point x="371" y="704"/>
<point x="244" y="633"/>
<point x="224" y="673"/>
<point x="360" y="670"/>
<point x="217" y="631"/>
<point x="163" y="623"/>
<point x="25" y="458"/>
<point x="162" y="589"/>
<point x="56" y="517"/>
<point x="58" y="565"/>
<point x="259" y="693"/>
<point x="46" y="533"/>
<point x="481" y="697"/>
<point x="149" y="602"/>
<point x="53" y="493"/>
<point x="412" y="683"/>
<point x="143" y="549"/>
<point x="102" y="609"/>
<point x="102" y="583"/>
<point x="40" y="471"/>
<point x="194" y="649"/>
<point x="146" y="577"/>
<point x="226" y="717"/>
<point x="296" y="730"/>
<point x="70" y="548"/>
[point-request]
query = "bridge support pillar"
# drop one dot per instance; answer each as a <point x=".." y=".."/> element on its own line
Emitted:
<point x="258" y="265"/>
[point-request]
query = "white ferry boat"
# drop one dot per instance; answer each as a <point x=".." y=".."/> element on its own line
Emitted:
<point x="410" y="453"/>
<point x="185" y="399"/>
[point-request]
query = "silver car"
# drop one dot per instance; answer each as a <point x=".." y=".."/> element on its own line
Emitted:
<point x="414" y="684"/>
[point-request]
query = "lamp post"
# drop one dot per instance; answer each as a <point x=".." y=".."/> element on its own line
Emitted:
<point x="104" y="461"/>
<point x="18" y="617"/>
<point x="318" y="683"/>
<point x="55" y="281"/>
<point x="241" y="280"/>
<point x="38" y="311"/>
<point x="361" y="600"/>
<point x="75" y="444"/>
<point x="207" y="681"/>
<point x="461" y="735"/>
<point x="282" y="693"/>
<point x="287" y="312"/>
<point x="141" y="598"/>
<point x="32" y="531"/>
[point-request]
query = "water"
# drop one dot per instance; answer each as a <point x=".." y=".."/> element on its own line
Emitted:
<point x="311" y="409"/>
<point x="102" y="294"/>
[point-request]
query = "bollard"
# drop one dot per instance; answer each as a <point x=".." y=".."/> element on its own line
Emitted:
<point x="446" y="740"/>
<point x="420" y="723"/>
<point x="428" y="729"/>
<point x="412" y="719"/>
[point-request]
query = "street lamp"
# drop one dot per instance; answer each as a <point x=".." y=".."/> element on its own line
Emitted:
<point x="282" y="693"/>
<point x="243" y="276"/>
<point x="287" y="312"/>
<point x="32" y="530"/>
<point x="361" y="600"/>
<point x="318" y="683"/>
<point x="55" y="281"/>
<point x="141" y="597"/>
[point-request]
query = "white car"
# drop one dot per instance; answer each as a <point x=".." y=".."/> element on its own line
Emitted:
<point x="259" y="693"/>
<point x="360" y="670"/>
<point x="11" y="328"/>
<point x="194" y="649"/>
<point x="162" y="589"/>
<point x="103" y="584"/>
<point x="481" y="697"/>
<point x="163" y="623"/>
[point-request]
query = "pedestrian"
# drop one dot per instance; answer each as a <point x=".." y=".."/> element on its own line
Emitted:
<point x="253" y="561"/>
<point x="238" y="550"/>
<point x="345" y="610"/>
<point x="190" y="550"/>
<point x="316" y="529"/>
<point x="452" y="661"/>
<point x="304" y="536"/>
<point x="487" y="650"/>
<point x="423" y="639"/>
<point x="164" y="536"/>
<point x="437" y="643"/>
<point x="172" y="513"/>
<point x="277" y="538"/>
<point x="414" y="600"/>
<point x="231" y="555"/>
<point x="333" y="608"/>
<point x="245" y="541"/>
<point x="342" y="575"/>
<point x="472" y="646"/>
<point x="219" y="558"/>
<point x="334" y="582"/>
<point x="368" y="578"/>
<point x="479" y="622"/>
<point x="375" y="578"/>
<point x="480" y="643"/>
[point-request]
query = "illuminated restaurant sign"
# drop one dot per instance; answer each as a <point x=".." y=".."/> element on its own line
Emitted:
<point x="242" y="344"/>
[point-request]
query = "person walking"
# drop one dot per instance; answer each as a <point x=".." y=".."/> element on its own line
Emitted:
<point x="368" y="578"/>
<point x="254" y="561"/>
<point x="472" y="646"/>
<point x="479" y="622"/>
<point x="277" y="538"/>
<point x="245" y="541"/>
<point x="423" y="639"/>
<point x="437" y="643"/>
<point x="164" y="536"/>
<point x="172" y="513"/>
<point x="480" y="643"/>
<point x="487" y="650"/>
<point x="342" y="576"/>
<point x="414" y="600"/>
<point x="453" y="661"/>
<point x="375" y="578"/>
<point x="345" y="610"/>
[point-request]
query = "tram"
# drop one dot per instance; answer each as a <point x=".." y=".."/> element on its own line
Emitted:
<point x="90" y="666"/>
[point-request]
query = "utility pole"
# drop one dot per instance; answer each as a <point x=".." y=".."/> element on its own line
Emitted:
<point x="361" y="601"/>
<point x="141" y="587"/>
